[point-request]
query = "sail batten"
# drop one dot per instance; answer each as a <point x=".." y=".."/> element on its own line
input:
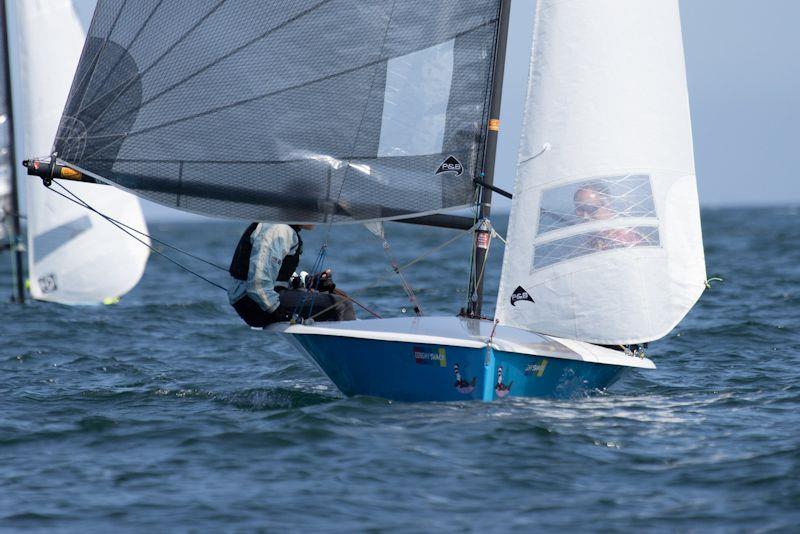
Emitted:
<point x="379" y="104"/>
<point x="604" y="241"/>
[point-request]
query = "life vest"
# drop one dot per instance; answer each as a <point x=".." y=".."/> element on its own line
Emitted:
<point x="240" y="263"/>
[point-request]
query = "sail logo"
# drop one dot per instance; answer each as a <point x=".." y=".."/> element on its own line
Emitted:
<point x="451" y="164"/>
<point x="520" y="294"/>
<point x="47" y="283"/>
<point x="536" y="369"/>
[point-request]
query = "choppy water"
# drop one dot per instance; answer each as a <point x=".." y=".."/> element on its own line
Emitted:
<point x="164" y="412"/>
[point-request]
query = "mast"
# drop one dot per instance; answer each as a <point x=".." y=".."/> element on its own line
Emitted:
<point x="19" y="283"/>
<point x="482" y="233"/>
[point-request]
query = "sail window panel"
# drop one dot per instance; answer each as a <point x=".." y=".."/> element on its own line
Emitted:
<point x="601" y="198"/>
<point x="415" y="102"/>
<point x="420" y="24"/>
<point x="576" y="246"/>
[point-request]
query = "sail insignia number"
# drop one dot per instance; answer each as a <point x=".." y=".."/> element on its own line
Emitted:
<point x="47" y="283"/>
<point x="520" y="294"/>
<point x="451" y="164"/>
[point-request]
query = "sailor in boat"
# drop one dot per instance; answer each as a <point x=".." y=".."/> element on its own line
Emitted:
<point x="266" y="289"/>
<point x="593" y="201"/>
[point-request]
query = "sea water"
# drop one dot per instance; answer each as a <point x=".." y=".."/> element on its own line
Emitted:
<point x="164" y="412"/>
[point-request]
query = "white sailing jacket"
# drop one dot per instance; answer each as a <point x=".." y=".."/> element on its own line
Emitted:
<point x="271" y="244"/>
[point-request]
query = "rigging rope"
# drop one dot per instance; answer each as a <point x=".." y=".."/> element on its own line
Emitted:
<point x="402" y="267"/>
<point x="406" y="286"/>
<point x="498" y="236"/>
<point x="323" y="249"/>
<point x="75" y="199"/>
<point x="132" y="229"/>
<point x="471" y="281"/>
<point x="129" y="231"/>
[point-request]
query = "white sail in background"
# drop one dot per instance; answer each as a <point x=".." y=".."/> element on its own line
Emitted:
<point x="6" y="174"/>
<point x="74" y="256"/>
<point x="6" y="157"/>
<point x="604" y="241"/>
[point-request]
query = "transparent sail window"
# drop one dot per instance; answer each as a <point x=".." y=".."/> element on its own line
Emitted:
<point x="596" y="199"/>
<point x="415" y="102"/>
<point x="548" y="254"/>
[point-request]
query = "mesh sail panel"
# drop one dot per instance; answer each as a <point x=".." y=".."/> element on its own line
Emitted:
<point x="301" y="111"/>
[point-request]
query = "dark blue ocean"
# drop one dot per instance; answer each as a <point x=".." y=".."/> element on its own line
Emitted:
<point x="165" y="413"/>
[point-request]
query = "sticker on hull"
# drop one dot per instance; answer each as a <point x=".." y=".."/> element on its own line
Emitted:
<point x="463" y="386"/>
<point x="502" y="389"/>
<point x="536" y="369"/>
<point x="425" y="356"/>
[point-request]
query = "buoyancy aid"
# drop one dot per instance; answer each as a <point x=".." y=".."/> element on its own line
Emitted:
<point x="240" y="263"/>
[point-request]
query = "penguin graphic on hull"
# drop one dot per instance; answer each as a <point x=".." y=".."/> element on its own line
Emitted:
<point x="502" y="389"/>
<point x="462" y="385"/>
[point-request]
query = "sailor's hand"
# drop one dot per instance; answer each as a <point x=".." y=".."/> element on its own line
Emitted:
<point x="321" y="281"/>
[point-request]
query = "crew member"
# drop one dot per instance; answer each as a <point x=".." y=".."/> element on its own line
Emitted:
<point x="593" y="202"/>
<point x="266" y="288"/>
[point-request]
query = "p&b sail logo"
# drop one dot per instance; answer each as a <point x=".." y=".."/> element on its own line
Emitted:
<point x="451" y="164"/>
<point x="520" y="294"/>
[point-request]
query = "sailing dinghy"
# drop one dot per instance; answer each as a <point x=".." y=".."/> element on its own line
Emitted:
<point x="75" y="257"/>
<point x="336" y="111"/>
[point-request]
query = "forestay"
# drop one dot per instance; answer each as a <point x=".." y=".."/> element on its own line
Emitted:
<point x="302" y="111"/>
<point x="74" y="256"/>
<point x="604" y="241"/>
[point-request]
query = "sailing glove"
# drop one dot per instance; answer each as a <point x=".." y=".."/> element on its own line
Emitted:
<point x="321" y="281"/>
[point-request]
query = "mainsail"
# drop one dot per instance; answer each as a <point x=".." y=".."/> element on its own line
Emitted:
<point x="74" y="256"/>
<point x="302" y="111"/>
<point x="604" y="241"/>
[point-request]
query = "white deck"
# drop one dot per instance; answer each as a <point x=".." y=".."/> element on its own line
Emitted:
<point x="472" y="333"/>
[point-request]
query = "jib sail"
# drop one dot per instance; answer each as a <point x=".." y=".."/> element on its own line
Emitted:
<point x="604" y="241"/>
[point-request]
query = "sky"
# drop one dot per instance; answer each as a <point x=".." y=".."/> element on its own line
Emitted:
<point x="744" y="86"/>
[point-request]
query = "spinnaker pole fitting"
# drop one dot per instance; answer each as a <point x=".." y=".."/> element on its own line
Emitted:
<point x="47" y="170"/>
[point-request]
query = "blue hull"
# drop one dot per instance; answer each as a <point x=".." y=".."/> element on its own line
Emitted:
<point x="423" y="372"/>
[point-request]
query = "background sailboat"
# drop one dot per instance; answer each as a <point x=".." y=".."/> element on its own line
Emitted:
<point x="74" y="255"/>
<point x="10" y="227"/>
<point x="390" y="111"/>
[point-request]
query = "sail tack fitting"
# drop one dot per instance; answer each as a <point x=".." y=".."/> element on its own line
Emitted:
<point x="48" y="170"/>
